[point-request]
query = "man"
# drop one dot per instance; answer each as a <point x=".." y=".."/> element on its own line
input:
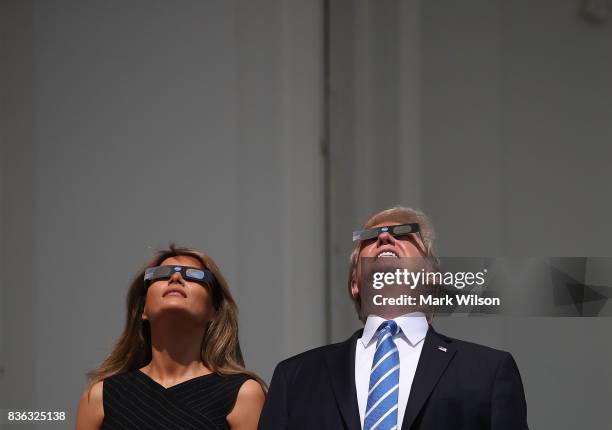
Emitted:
<point x="397" y="373"/>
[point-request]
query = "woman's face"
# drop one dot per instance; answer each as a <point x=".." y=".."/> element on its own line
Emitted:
<point x="177" y="296"/>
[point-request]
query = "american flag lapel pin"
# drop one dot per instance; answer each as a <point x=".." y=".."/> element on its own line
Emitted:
<point x="441" y="348"/>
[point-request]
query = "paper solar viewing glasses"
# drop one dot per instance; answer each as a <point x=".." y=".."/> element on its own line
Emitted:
<point x="193" y="274"/>
<point x="393" y="230"/>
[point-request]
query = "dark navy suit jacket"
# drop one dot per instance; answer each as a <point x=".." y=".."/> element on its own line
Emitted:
<point x="458" y="385"/>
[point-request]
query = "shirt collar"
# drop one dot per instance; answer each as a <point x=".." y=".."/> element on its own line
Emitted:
<point x="413" y="326"/>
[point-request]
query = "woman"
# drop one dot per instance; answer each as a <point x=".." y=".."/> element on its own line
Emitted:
<point x="178" y="363"/>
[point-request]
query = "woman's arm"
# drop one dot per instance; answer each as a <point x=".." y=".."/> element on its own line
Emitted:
<point x="249" y="402"/>
<point x="91" y="410"/>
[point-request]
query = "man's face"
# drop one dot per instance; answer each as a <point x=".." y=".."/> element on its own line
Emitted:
<point x="388" y="246"/>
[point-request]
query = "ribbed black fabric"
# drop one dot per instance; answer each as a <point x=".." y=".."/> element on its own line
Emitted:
<point x="133" y="400"/>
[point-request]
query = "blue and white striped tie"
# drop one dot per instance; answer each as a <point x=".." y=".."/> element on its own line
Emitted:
<point x="381" y="410"/>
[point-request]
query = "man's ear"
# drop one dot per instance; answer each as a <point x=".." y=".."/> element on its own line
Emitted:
<point x="354" y="288"/>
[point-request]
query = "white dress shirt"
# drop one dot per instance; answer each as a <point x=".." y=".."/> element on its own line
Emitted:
<point x="409" y="341"/>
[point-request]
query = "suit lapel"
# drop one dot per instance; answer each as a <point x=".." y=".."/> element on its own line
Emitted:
<point x="437" y="352"/>
<point x="341" y="365"/>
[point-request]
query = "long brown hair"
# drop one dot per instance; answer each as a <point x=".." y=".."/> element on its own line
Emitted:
<point x="220" y="350"/>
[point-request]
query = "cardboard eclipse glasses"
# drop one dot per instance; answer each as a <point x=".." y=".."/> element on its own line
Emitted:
<point x="193" y="274"/>
<point x="393" y="230"/>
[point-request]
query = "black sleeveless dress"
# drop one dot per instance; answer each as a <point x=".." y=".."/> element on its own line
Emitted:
<point x="133" y="400"/>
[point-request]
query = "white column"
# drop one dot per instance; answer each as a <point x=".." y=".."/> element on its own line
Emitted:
<point x="375" y="127"/>
<point x="280" y="219"/>
<point x="18" y="325"/>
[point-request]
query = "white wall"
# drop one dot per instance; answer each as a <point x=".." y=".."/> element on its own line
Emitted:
<point x="147" y="122"/>
<point x="494" y="118"/>
<point x="517" y="107"/>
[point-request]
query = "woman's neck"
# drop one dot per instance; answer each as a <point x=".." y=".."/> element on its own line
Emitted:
<point x="176" y="352"/>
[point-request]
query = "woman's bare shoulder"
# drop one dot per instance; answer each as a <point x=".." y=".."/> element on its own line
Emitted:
<point x="249" y="402"/>
<point x="91" y="409"/>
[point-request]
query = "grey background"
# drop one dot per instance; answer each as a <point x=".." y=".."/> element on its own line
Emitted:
<point x="127" y="125"/>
